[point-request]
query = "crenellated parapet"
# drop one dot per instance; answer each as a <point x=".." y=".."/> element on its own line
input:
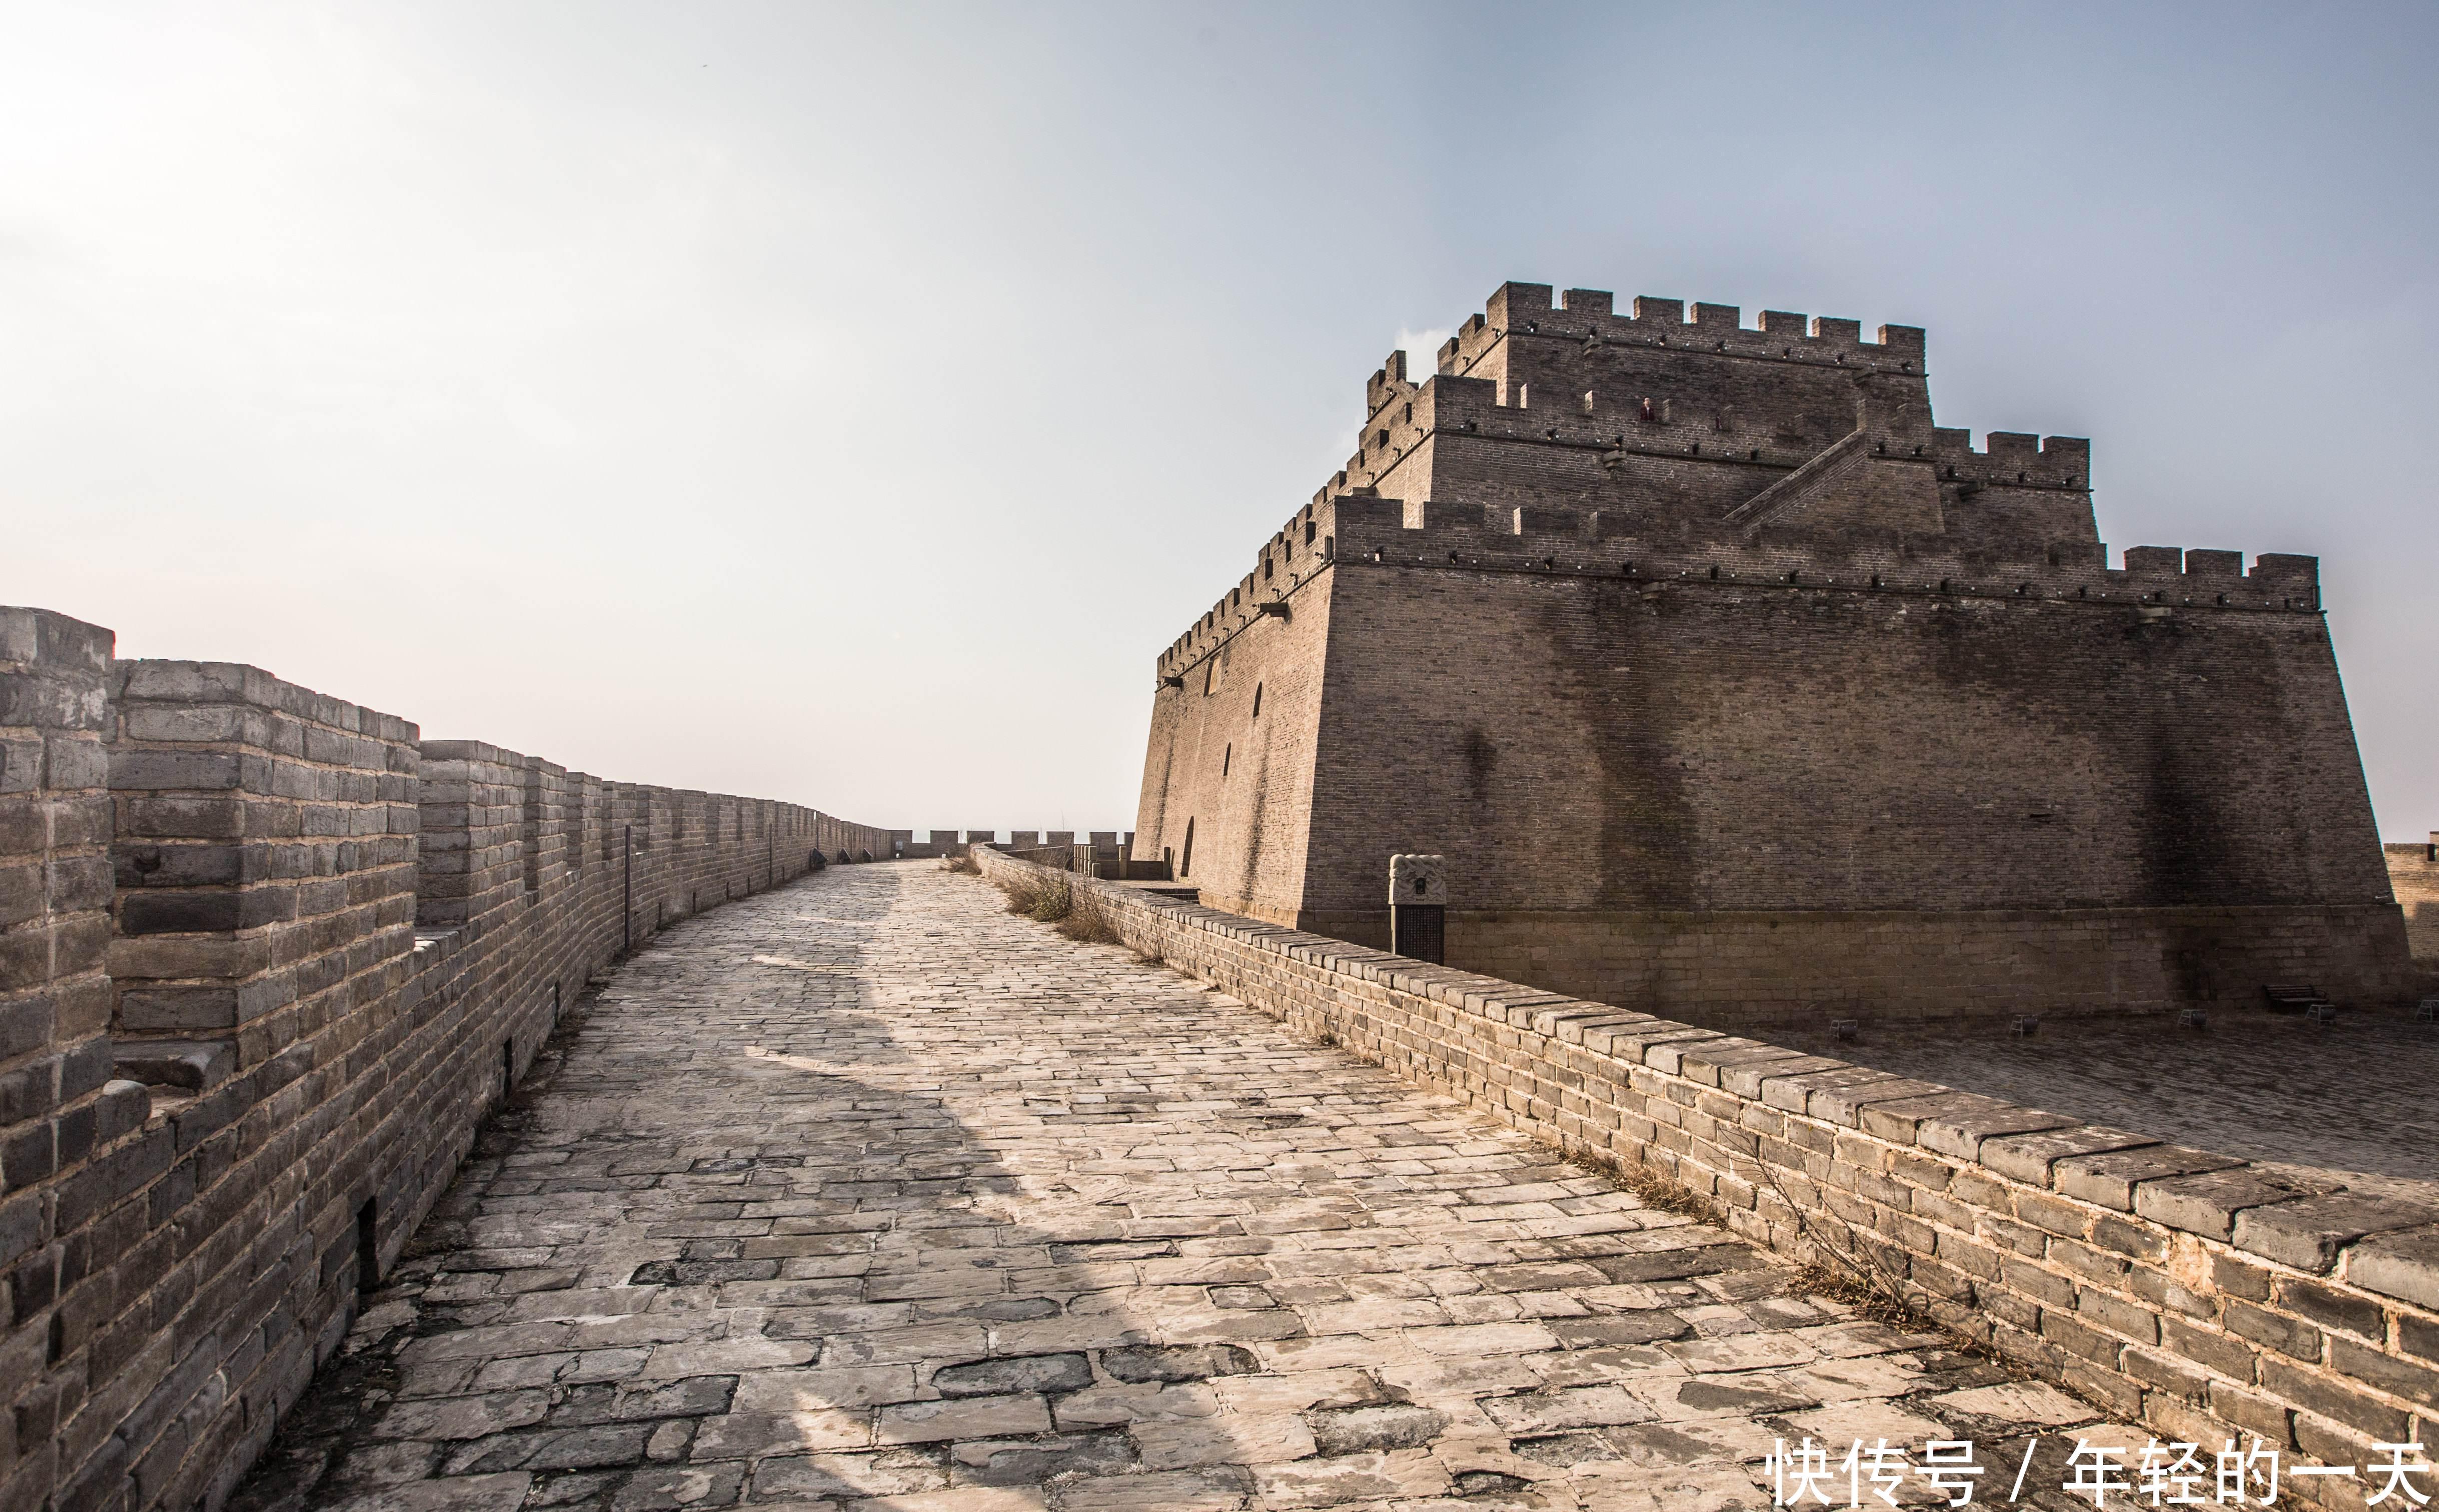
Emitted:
<point x="1618" y="424"/>
<point x="1528" y="311"/>
<point x="1675" y="423"/>
<point x="2012" y="458"/>
<point x="1690" y="408"/>
<point x="1556" y="540"/>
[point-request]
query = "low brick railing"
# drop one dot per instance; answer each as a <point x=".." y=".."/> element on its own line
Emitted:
<point x="2187" y="1291"/>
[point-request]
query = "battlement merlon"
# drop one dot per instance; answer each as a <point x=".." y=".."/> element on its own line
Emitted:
<point x="1387" y="385"/>
<point x="2013" y="456"/>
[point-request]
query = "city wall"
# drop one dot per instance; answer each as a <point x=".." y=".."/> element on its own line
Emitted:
<point x="2177" y="1288"/>
<point x="266" y="959"/>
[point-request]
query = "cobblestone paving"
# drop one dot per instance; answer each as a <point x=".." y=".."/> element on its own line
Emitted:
<point x="864" y="1195"/>
<point x="2350" y="1103"/>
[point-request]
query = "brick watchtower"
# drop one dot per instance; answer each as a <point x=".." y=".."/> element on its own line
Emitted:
<point x="1736" y="689"/>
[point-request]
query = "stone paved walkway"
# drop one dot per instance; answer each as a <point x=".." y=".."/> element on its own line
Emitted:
<point x="863" y="1194"/>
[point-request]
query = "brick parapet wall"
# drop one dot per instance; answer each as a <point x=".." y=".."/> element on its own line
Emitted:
<point x="326" y="948"/>
<point x="2178" y="1289"/>
<point x="1555" y="540"/>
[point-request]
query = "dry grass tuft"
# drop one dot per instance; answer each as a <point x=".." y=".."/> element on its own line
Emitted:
<point x="1818" y="1278"/>
<point x="1667" y="1194"/>
<point x="1088" y="921"/>
<point x="1883" y="1302"/>
<point x="1859" y="1268"/>
<point x="963" y="865"/>
<point x="1046" y="900"/>
<point x="1054" y="901"/>
<point x="1841" y="1272"/>
<point x="1656" y="1188"/>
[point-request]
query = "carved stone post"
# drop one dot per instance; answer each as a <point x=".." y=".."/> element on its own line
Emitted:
<point x="1418" y="907"/>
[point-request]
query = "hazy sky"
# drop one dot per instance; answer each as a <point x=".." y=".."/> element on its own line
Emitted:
<point x="846" y="405"/>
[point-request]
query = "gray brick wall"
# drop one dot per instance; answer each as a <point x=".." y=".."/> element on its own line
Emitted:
<point x="315" y="949"/>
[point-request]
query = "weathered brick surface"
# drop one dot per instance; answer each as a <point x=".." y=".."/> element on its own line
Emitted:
<point x="1700" y="740"/>
<point x="2162" y="1283"/>
<point x="315" y="949"/>
<point x="58" y="1104"/>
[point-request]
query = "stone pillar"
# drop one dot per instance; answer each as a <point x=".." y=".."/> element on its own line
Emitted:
<point x="1418" y="907"/>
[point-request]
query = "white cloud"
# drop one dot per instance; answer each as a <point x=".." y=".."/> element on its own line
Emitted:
<point x="1422" y="350"/>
